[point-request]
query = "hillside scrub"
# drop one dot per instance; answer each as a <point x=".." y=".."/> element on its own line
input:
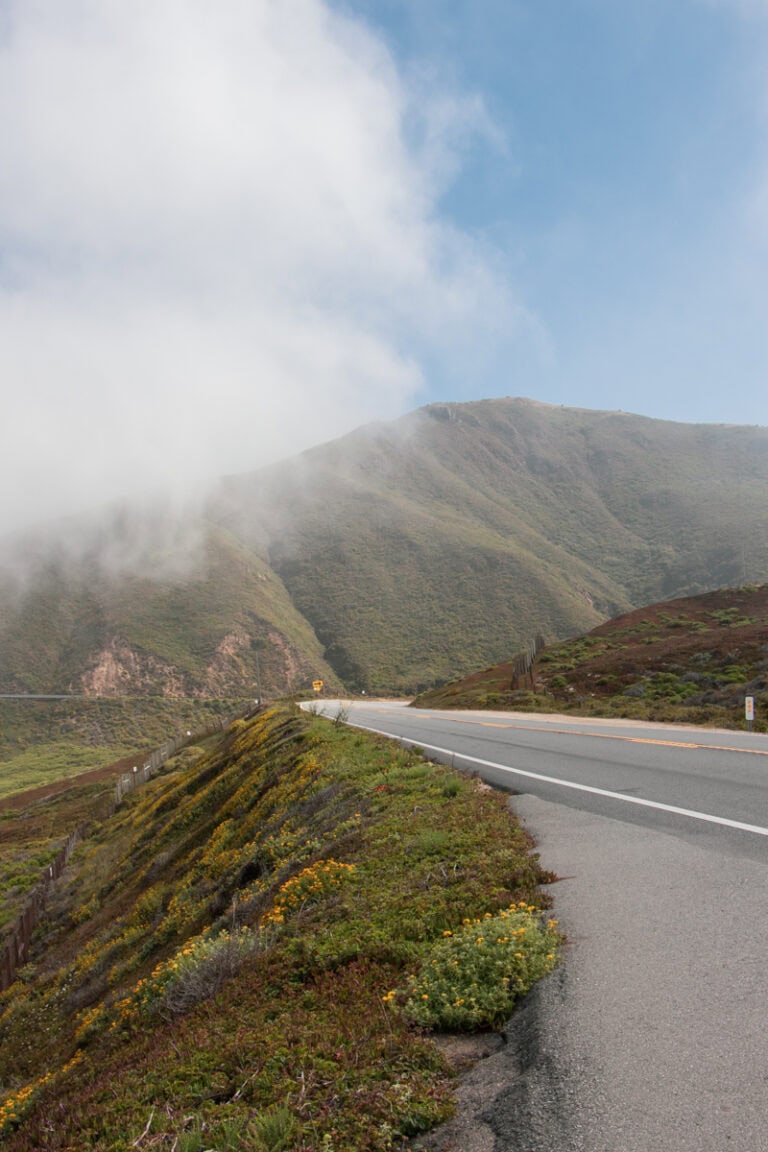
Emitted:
<point x="59" y="766"/>
<point x="422" y="549"/>
<point x="217" y="624"/>
<point x="44" y="741"/>
<point x="250" y="952"/>
<point x="32" y="835"/>
<point x="684" y="661"/>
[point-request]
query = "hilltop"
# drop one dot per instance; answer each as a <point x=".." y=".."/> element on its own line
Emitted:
<point x="429" y="546"/>
<point x="688" y="660"/>
<point x="400" y="556"/>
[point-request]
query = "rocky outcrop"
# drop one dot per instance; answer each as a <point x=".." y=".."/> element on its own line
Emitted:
<point x="118" y="669"/>
<point x="228" y="671"/>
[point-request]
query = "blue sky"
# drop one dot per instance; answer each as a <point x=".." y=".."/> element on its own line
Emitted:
<point x="229" y="232"/>
<point x="620" y="191"/>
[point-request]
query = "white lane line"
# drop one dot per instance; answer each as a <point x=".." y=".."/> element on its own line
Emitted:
<point x="705" y="816"/>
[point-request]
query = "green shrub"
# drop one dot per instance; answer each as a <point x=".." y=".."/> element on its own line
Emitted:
<point x="472" y="977"/>
<point x="197" y="1137"/>
<point x="274" y="1129"/>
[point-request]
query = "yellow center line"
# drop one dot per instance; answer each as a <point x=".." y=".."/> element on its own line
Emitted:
<point x="604" y="736"/>
<point x="599" y="735"/>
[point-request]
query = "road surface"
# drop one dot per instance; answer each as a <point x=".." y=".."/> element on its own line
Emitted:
<point x="653" y="1036"/>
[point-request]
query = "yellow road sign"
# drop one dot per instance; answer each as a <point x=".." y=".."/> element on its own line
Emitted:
<point x="317" y="685"/>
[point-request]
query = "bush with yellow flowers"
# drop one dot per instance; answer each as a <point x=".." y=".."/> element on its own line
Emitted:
<point x="471" y="977"/>
<point x="312" y="883"/>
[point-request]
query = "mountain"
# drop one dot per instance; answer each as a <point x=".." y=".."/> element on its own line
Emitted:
<point x="692" y="660"/>
<point x="435" y="544"/>
<point x="409" y="553"/>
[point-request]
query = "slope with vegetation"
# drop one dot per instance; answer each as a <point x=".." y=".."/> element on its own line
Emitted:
<point x="397" y="557"/>
<point x="48" y="789"/>
<point x="219" y="624"/>
<point x="44" y="742"/>
<point x="246" y="955"/>
<point x="433" y="545"/>
<point x="690" y="660"/>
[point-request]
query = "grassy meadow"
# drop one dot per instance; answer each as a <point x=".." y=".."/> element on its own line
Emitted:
<point x="43" y="741"/>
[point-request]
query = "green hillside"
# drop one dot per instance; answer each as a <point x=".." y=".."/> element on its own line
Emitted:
<point x="430" y="546"/>
<point x="690" y="660"/>
<point x="44" y="741"/>
<point x="224" y="625"/>
<point x="250" y="952"/>
<point x="398" y="557"/>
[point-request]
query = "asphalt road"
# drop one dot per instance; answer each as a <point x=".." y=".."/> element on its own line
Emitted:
<point x="653" y="1035"/>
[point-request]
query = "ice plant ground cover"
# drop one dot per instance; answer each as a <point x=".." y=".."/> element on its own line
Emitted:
<point x="219" y="965"/>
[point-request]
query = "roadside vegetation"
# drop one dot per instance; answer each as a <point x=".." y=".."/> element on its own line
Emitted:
<point x="44" y="741"/>
<point x="59" y="761"/>
<point x="253" y="951"/>
<point x="687" y="661"/>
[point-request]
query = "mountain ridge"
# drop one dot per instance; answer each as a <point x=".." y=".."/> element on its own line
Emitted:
<point x="410" y="552"/>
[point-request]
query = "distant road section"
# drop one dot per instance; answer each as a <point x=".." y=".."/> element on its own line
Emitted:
<point x="38" y="696"/>
<point x="652" y="1035"/>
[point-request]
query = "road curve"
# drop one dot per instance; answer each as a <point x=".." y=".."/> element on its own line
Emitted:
<point x="652" y="1037"/>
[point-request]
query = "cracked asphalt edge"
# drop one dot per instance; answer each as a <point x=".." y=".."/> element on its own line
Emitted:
<point x="520" y="1097"/>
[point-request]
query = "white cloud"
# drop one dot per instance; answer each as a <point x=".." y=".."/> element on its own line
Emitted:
<point x="219" y="241"/>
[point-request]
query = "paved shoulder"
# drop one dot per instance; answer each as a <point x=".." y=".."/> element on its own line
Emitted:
<point x="653" y="1034"/>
